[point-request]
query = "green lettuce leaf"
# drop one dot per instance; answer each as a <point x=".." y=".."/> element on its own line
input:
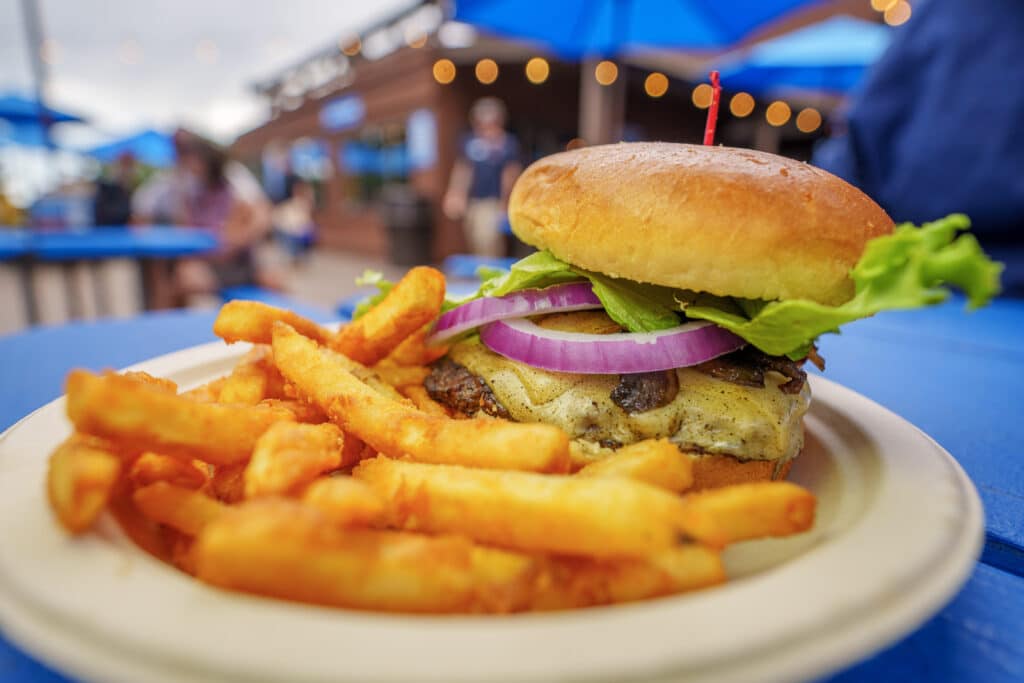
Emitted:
<point x="910" y="268"/>
<point x="635" y="306"/>
<point x="536" y="271"/>
<point x="376" y="278"/>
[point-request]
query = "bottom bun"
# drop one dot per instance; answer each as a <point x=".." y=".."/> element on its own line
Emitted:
<point x="712" y="471"/>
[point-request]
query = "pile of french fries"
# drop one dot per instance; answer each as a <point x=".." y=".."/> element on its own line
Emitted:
<point x="320" y="470"/>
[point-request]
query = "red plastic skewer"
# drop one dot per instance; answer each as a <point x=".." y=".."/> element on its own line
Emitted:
<point x="709" y="127"/>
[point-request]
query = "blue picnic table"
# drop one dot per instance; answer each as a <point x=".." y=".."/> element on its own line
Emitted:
<point x="153" y="241"/>
<point x="954" y="375"/>
<point x="13" y="244"/>
<point x="151" y="247"/>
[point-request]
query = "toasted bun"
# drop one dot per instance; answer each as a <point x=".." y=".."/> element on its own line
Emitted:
<point x="712" y="471"/>
<point x="732" y="222"/>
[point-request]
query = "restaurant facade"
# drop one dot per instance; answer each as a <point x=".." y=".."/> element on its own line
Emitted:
<point x="388" y="128"/>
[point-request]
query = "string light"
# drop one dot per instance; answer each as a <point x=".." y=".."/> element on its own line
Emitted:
<point x="444" y="71"/>
<point x="606" y="72"/>
<point x="898" y="14"/>
<point x="741" y="104"/>
<point x="778" y="113"/>
<point x="656" y="84"/>
<point x="486" y="71"/>
<point x="350" y="46"/>
<point x="808" y="120"/>
<point x="702" y="95"/>
<point x="882" y="5"/>
<point x="537" y="70"/>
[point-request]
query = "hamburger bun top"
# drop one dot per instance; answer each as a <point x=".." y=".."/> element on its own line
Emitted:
<point x="731" y="222"/>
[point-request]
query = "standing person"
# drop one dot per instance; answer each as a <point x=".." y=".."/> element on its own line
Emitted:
<point x="482" y="178"/>
<point x="937" y="126"/>
<point x="292" y="218"/>
<point x="112" y="201"/>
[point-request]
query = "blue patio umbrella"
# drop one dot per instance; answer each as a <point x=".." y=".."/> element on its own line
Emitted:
<point x="575" y="29"/>
<point x="831" y="56"/>
<point x="22" y="134"/>
<point x="22" y="110"/>
<point x="150" y="147"/>
<point x="23" y="124"/>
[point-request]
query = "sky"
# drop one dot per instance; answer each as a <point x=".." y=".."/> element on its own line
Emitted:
<point x="130" y="64"/>
<point x="126" y="65"/>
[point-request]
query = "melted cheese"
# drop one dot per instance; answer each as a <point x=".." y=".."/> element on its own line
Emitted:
<point x="708" y="414"/>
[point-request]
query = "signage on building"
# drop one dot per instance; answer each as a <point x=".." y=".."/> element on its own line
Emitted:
<point x="421" y="139"/>
<point x="343" y="113"/>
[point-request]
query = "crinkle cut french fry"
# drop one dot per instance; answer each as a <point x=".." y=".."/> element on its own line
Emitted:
<point x="371" y="379"/>
<point x="282" y="548"/>
<point x="595" y="516"/>
<point x="253" y="321"/>
<point x="368" y="377"/>
<point x="181" y="550"/>
<point x="655" y="461"/>
<point x="345" y="501"/>
<point x="353" y="450"/>
<point x="413" y="302"/>
<point x="740" y="512"/>
<point x="414" y="351"/>
<point x="400" y="376"/>
<point x="206" y="393"/>
<point x="301" y="411"/>
<point x="254" y="379"/>
<point x="155" y="382"/>
<point x="227" y="484"/>
<point x="143" y="531"/>
<point x="288" y="456"/>
<point x="143" y="418"/>
<point x="80" y="479"/>
<point x="421" y="399"/>
<point x="150" y="468"/>
<point x="183" y="509"/>
<point x="396" y="429"/>
<point x="585" y="582"/>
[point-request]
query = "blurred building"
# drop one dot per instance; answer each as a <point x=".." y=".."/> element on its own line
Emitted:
<point x="387" y="107"/>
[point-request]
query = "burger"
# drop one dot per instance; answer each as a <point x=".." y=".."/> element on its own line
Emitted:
<point x="677" y="292"/>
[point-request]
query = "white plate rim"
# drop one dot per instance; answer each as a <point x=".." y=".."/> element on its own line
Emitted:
<point x="911" y="596"/>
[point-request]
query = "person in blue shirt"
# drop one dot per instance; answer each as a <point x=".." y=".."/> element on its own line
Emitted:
<point x="938" y="125"/>
<point x="482" y="179"/>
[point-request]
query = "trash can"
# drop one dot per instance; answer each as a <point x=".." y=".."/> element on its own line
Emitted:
<point x="410" y="222"/>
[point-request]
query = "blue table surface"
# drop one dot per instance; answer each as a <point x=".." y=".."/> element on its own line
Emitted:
<point x="106" y="242"/>
<point x="954" y="375"/>
<point x="13" y="244"/>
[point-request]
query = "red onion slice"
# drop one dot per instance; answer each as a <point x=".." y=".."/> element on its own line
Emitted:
<point x="608" y="354"/>
<point x="574" y="296"/>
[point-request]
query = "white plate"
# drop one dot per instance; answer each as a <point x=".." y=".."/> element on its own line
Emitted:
<point x="898" y="531"/>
